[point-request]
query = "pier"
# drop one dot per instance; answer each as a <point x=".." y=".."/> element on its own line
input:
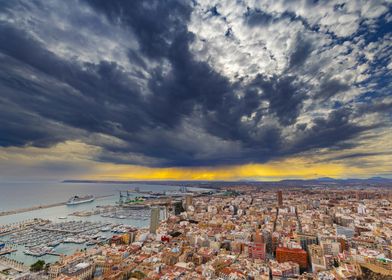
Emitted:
<point x="54" y="254"/>
<point x="7" y="251"/>
<point x="16" y="227"/>
<point x="38" y="207"/>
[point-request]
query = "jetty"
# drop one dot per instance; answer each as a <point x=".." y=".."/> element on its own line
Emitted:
<point x="38" y="207"/>
<point x="19" y="226"/>
<point x="7" y="251"/>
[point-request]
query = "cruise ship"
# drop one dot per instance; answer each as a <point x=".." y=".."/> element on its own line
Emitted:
<point x="80" y="199"/>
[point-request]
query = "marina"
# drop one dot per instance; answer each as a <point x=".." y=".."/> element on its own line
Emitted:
<point x="15" y="227"/>
<point x="46" y="233"/>
<point x="117" y="212"/>
<point x="43" y="237"/>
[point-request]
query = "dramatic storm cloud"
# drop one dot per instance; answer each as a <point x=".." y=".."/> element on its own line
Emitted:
<point x="197" y="83"/>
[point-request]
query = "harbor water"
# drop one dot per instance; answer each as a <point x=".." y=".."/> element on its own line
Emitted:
<point x="23" y="195"/>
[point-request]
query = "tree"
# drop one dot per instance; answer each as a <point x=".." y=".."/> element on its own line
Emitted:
<point x="37" y="266"/>
<point x="138" y="274"/>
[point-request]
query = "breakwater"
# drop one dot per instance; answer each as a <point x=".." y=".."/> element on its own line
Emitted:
<point x="38" y="207"/>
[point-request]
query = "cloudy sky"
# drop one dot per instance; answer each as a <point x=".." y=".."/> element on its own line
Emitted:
<point x="226" y="89"/>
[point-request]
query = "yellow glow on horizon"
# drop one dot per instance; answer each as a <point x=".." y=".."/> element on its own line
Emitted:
<point x="81" y="157"/>
<point x="289" y="168"/>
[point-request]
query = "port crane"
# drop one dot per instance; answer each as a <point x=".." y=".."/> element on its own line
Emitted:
<point x="121" y="200"/>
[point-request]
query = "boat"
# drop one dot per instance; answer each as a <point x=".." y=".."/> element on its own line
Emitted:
<point x="74" y="240"/>
<point x="63" y="217"/>
<point x="121" y="216"/>
<point x="80" y="199"/>
<point x="91" y="242"/>
<point x="38" y="251"/>
<point x="119" y="229"/>
<point x="54" y="243"/>
<point x="105" y="229"/>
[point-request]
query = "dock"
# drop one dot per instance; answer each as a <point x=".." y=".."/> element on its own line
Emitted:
<point x="7" y="251"/>
<point x="16" y="227"/>
<point x="38" y="207"/>
<point x="54" y="254"/>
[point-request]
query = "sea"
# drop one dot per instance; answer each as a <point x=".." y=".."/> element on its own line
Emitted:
<point x="16" y="195"/>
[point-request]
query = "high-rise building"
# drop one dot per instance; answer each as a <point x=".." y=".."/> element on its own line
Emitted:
<point x="154" y="221"/>
<point x="299" y="256"/>
<point x="280" y="198"/>
<point x="317" y="258"/>
<point x="132" y="236"/>
<point x="188" y="201"/>
<point x="306" y="239"/>
<point x="257" y="249"/>
<point x="331" y="247"/>
<point x="178" y="209"/>
<point x="361" y="209"/>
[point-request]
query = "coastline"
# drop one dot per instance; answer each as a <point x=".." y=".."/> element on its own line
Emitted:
<point x="38" y="207"/>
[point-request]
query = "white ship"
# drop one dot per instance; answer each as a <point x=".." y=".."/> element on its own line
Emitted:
<point x="80" y="199"/>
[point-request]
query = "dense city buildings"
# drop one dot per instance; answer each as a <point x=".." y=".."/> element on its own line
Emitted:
<point x="235" y="233"/>
<point x="195" y="139"/>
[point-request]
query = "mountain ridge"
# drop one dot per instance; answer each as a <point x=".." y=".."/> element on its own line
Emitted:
<point x="317" y="180"/>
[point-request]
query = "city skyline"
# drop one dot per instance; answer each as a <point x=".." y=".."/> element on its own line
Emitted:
<point x="195" y="90"/>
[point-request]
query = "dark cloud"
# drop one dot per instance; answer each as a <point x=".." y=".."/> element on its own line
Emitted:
<point x="301" y="52"/>
<point x="156" y="23"/>
<point x="171" y="109"/>
<point x="356" y="155"/>
<point x="335" y="132"/>
<point x="329" y="88"/>
<point x="100" y="86"/>
<point x="18" y="128"/>
<point x="285" y="96"/>
<point x="257" y="17"/>
<point x="376" y="105"/>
